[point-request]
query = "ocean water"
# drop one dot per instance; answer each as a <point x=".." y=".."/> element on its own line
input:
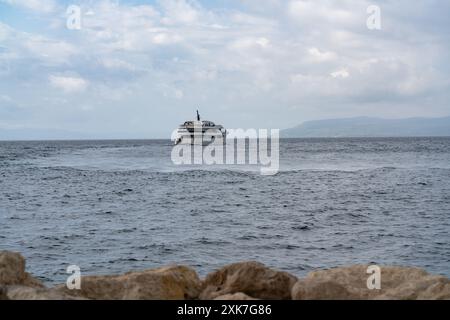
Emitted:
<point x="115" y="206"/>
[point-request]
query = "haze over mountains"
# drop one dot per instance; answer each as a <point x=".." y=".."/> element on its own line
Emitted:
<point x="348" y="127"/>
<point x="371" y="127"/>
<point x="40" y="134"/>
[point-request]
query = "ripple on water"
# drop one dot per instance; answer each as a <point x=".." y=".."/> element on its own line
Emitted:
<point x="334" y="202"/>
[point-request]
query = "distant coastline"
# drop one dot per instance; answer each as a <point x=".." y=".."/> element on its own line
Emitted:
<point x="368" y="127"/>
<point x="358" y="127"/>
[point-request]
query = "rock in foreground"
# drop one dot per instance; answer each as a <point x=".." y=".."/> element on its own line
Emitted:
<point x="169" y="283"/>
<point x="251" y="278"/>
<point x="239" y="281"/>
<point x="27" y="293"/>
<point x="351" y="283"/>
<point x="12" y="271"/>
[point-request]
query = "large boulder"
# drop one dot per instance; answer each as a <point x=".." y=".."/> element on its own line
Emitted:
<point x="351" y="283"/>
<point x="428" y="287"/>
<point x="251" y="278"/>
<point x="12" y="271"/>
<point x="169" y="283"/>
<point x="309" y="289"/>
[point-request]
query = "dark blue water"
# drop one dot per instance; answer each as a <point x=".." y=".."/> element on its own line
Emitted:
<point x="115" y="206"/>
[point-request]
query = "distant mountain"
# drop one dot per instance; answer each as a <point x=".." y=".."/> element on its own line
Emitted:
<point x="371" y="127"/>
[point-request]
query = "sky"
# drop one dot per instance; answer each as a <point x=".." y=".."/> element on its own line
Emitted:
<point x="137" y="69"/>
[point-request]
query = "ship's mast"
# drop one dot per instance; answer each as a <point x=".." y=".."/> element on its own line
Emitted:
<point x="198" y="116"/>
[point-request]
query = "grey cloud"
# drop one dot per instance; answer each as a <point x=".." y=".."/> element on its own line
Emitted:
<point x="256" y="64"/>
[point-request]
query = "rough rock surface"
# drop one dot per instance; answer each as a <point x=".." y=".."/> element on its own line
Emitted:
<point x="169" y="283"/>
<point x="239" y="281"/>
<point x="28" y="293"/>
<point x="307" y="289"/>
<point x="12" y="271"/>
<point x="235" y="296"/>
<point x="351" y="283"/>
<point x="252" y="278"/>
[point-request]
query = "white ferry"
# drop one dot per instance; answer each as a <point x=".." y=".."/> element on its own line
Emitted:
<point x="199" y="132"/>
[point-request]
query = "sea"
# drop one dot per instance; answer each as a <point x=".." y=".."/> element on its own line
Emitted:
<point x="111" y="207"/>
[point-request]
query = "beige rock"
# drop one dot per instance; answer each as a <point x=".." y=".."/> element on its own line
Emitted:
<point x="28" y="293"/>
<point x="428" y="287"/>
<point x="240" y="281"/>
<point x="251" y="278"/>
<point x="12" y="271"/>
<point x="169" y="283"/>
<point x="235" y="296"/>
<point x="351" y="283"/>
<point x="308" y="289"/>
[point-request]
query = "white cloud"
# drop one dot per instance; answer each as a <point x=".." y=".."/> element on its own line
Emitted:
<point x="249" y="59"/>
<point x="179" y="11"/>
<point x="244" y="44"/>
<point x="5" y="31"/>
<point x="179" y="94"/>
<point x="342" y="73"/>
<point x="118" y="64"/>
<point x="5" y="98"/>
<point x="42" y="6"/>
<point x="23" y="45"/>
<point x="321" y="56"/>
<point x="317" y="13"/>
<point x="53" y="51"/>
<point x="165" y="38"/>
<point x="68" y="84"/>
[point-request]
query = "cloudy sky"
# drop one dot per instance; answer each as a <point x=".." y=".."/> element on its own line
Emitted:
<point x="139" y="68"/>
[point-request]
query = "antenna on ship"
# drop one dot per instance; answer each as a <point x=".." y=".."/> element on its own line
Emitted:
<point x="198" y="116"/>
